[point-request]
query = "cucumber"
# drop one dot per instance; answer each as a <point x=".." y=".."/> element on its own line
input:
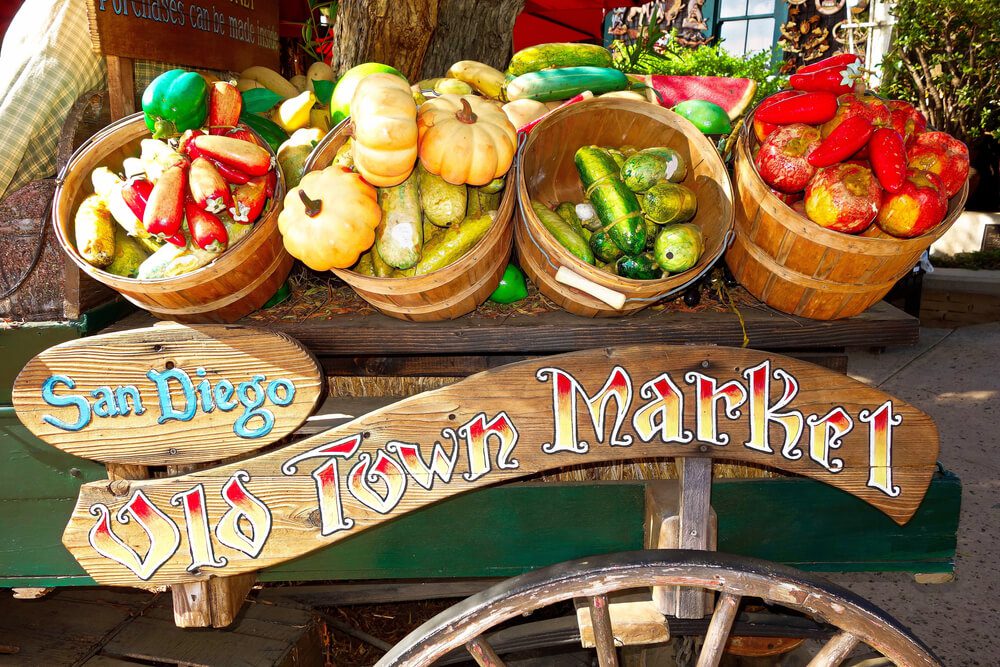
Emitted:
<point x="430" y="229"/>
<point x="561" y="84"/>
<point x="617" y="155"/>
<point x="567" y="211"/>
<point x="400" y="235"/>
<point x="638" y="267"/>
<point x="558" y="54"/>
<point x="563" y="232"/>
<point x="652" y="230"/>
<point x="452" y="243"/>
<point x="666" y="203"/>
<point x="494" y="186"/>
<point x="269" y="131"/>
<point x="379" y="266"/>
<point x="604" y="248"/>
<point x="615" y="204"/>
<point x="642" y="170"/>
<point x="678" y="247"/>
<point x="628" y="150"/>
<point x="441" y="202"/>
<point x="365" y="265"/>
<point x="481" y="202"/>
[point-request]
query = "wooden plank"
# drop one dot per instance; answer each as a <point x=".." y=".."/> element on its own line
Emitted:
<point x="558" y="331"/>
<point x="694" y="525"/>
<point x="335" y="595"/>
<point x="210" y="604"/>
<point x="121" y="86"/>
<point x="169" y="394"/>
<point x="288" y="512"/>
<point x="417" y="366"/>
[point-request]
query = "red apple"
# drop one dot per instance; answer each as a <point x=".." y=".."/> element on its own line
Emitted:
<point x="843" y="197"/>
<point x="918" y="207"/>
<point x="906" y="119"/>
<point x="788" y="198"/>
<point x="944" y="156"/>
<point x="782" y="160"/>
<point x="762" y="129"/>
<point x="868" y="106"/>
<point x="800" y="208"/>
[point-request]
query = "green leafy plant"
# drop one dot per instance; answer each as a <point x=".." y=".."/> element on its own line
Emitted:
<point x="945" y="58"/>
<point x="979" y="260"/>
<point x="647" y="56"/>
<point x="317" y="41"/>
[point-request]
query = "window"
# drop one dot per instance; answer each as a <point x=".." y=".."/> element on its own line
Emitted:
<point x="745" y="26"/>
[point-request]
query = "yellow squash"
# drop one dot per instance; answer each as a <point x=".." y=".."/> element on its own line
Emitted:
<point x="465" y="139"/>
<point x="385" y="129"/>
<point x="329" y="219"/>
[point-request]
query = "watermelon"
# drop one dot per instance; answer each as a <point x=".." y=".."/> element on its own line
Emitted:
<point x="732" y="94"/>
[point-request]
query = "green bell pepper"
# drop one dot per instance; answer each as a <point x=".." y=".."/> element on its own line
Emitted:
<point x="512" y="286"/>
<point x="175" y="101"/>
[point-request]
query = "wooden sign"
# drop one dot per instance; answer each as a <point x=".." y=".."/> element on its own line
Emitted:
<point x="222" y="35"/>
<point x="586" y="407"/>
<point x="170" y="394"/>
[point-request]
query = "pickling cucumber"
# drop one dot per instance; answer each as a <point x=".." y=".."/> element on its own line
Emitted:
<point x="563" y="232"/>
<point x="603" y="247"/>
<point x="441" y="202"/>
<point x="567" y="211"/>
<point x="617" y="155"/>
<point x="365" y="266"/>
<point x="452" y="243"/>
<point x="642" y="170"/>
<point x="652" y="229"/>
<point x="558" y="54"/>
<point x="379" y="265"/>
<point x="616" y="205"/>
<point x="561" y="84"/>
<point x="638" y="267"/>
<point x="667" y="203"/>
<point x="399" y="237"/>
<point x="678" y="247"/>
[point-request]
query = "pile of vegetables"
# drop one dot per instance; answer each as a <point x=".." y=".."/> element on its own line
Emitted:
<point x="195" y="188"/>
<point x="635" y="222"/>
<point x="418" y="183"/>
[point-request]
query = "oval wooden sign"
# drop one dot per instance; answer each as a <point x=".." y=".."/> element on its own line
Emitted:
<point x="169" y="394"/>
<point x="507" y="423"/>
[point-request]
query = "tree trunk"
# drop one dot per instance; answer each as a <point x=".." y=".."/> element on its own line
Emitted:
<point x="393" y="33"/>
<point x="472" y="30"/>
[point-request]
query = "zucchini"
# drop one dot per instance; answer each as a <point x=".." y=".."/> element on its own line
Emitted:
<point x="399" y="237"/>
<point x="560" y="84"/>
<point x="603" y="247"/>
<point x="567" y="211"/>
<point x="563" y="232"/>
<point x="678" y="247"/>
<point x="558" y="54"/>
<point x="268" y="130"/>
<point x="452" y="243"/>
<point x="666" y="203"/>
<point x="615" y="204"/>
<point x="638" y="267"/>
<point x="442" y="203"/>
<point x="644" y="169"/>
<point x="379" y="266"/>
<point x="494" y="186"/>
<point x="365" y="265"/>
<point x="94" y="231"/>
<point x="129" y="255"/>
<point x="481" y="202"/>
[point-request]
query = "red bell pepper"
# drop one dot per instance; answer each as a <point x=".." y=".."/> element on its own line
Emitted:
<point x="208" y="188"/>
<point x="224" y="106"/>
<point x="135" y="192"/>
<point x="810" y="108"/>
<point x="845" y="140"/>
<point x="165" y="208"/>
<point x="842" y="59"/>
<point x="207" y="231"/>
<point x="887" y="153"/>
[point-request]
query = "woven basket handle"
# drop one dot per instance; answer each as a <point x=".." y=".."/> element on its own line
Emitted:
<point x="568" y="277"/>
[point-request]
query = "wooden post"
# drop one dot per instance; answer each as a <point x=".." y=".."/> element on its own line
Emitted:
<point x="695" y="504"/>
<point x="121" y="86"/>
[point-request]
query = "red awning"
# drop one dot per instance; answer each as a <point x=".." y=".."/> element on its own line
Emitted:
<point x="562" y="21"/>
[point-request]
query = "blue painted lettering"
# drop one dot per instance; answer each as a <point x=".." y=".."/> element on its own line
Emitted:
<point x="167" y="410"/>
<point x="122" y="396"/>
<point x="105" y="405"/>
<point x="49" y="396"/>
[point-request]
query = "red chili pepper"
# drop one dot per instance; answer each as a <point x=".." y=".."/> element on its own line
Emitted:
<point x="242" y="133"/>
<point x="271" y="182"/>
<point x="839" y="59"/>
<point x="762" y="129"/>
<point x="207" y="231"/>
<point x="887" y="153"/>
<point x="836" y="80"/>
<point x="846" y="140"/>
<point x="165" y="207"/>
<point x="808" y="108"/>
<point x="135" y="192"/>
<point x="178" y="240"/>
<point x="231" y="174"/>
<point x="224" y="106"/>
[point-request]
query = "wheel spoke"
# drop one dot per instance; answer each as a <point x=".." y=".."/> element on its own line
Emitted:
<point x="604" y="638"/>
<point x="835" y="650"/>
<point x="718" y="630"/>
<point x="483" y="653"/>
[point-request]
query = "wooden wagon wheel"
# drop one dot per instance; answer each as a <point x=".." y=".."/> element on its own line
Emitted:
<point x="733" y="577"/>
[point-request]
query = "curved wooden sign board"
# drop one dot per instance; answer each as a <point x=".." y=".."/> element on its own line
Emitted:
<point x="497" y="426"/>
<point x="170" y="394"/>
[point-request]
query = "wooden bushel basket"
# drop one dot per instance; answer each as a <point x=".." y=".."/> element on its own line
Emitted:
<point x="447" y="293"/>
<point x="546" y="172"/>
<point x="235" y="284"/>
<point x="795" y="266"/>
